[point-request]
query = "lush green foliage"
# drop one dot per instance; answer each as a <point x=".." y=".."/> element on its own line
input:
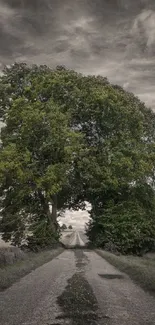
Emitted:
<point x="37" y="154"/>
<point x="126" y="227"/>
<point x="70" y="139"/>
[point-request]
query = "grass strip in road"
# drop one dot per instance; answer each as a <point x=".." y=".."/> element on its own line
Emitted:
<point x="12" y="273"/>
<point x="78" y="302"/>
<point x="140" y="269"/>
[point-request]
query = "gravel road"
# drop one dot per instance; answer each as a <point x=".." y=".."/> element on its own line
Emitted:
<point x="77" y="288"/>
<point x="76" y="238"/>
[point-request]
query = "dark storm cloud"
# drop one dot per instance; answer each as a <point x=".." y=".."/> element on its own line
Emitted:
<point x="115" y="38"/>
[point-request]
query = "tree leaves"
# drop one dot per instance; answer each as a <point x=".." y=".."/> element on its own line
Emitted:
<point x="70" y="138"/>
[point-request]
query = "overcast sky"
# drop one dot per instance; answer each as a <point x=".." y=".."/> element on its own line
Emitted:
<point x="77" y="219"/>
<point x="114" y="38"/>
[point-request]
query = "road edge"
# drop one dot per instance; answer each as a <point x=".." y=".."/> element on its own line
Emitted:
<point x="13" y="273"/>
<point x="140" y="275"/>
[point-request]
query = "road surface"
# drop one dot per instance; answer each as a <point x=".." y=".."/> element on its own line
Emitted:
<point x="77" y="288"/>
<point x="73" y="238"/>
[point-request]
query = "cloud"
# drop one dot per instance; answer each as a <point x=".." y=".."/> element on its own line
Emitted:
<point x="112" y="38"/>
<point x="77" y="219"/>
<point x="144" y="24"/>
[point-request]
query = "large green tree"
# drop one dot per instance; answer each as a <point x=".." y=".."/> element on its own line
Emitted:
<point x="36" y="159"/>
<point x="86" y="139"/>
<point x="120" y="175"/>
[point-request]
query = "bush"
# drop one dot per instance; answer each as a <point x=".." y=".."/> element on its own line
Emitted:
<point x="10" y="255"/>
<point x="124" y="228"/>
<point x="43" y="237"/>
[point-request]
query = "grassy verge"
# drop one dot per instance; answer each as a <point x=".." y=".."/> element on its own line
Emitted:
<point x="13" y="272"/>
<point x="10" y="255"/>
<point x="140" y="269"/>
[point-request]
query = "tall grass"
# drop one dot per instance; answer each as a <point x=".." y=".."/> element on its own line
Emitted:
<point x="10" y="255"/>
<point x="15" y="264"/>
<point x="140" y="269"/>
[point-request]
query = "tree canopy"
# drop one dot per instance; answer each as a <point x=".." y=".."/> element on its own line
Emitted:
<point x="68" y="139"/>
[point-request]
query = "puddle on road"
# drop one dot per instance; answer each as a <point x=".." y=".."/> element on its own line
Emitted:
<point x="111" y="276"/>
<point x="78" y="302"/>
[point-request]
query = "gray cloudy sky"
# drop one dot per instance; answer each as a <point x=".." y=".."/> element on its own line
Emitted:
<point x="114" y="38"/>
<point x="77" y="219"/>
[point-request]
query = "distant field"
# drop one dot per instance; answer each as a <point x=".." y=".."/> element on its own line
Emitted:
<point x="65" y="234"/>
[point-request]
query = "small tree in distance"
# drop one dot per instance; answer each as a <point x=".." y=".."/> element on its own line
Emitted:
<point x="64" y="227"/>
<point x="70" y="227"/>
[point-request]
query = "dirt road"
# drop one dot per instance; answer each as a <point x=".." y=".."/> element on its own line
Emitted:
<point x="73" y="238"/>
<point x="79" y="288"/>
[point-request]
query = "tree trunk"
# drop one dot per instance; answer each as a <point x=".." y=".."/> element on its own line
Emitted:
<point x="51" y="216"/>
<point x="54" y="210"/>
<point x="45" y="206"/>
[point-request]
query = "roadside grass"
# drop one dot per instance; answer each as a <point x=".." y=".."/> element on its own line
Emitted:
<point x="24" y="264"/>
<point x="140" y="269"/>
<point x="10" y="255"/>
